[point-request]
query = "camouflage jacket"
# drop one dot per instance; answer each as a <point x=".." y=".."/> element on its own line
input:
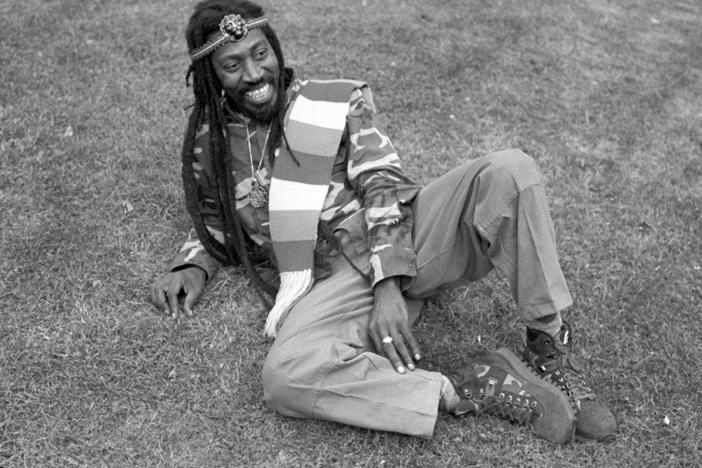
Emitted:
<point x="369" y="194"/>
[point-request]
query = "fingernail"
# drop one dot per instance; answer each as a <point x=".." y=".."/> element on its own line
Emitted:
<point x="417" y="357"/>
<point x="410" y="366"/>
<point x="401" y="369"/>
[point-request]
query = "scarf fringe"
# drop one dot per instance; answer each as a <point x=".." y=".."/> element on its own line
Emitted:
<point x="293" y="286"/>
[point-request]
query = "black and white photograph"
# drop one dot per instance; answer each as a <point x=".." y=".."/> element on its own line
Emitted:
<point x="363" y="233"/>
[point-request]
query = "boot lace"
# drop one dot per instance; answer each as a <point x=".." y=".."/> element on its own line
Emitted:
<point x="516" y="408"/>
<point x="565" y="372"/>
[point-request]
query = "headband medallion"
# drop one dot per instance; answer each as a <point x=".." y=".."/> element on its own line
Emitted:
<point x="232" y="28"/>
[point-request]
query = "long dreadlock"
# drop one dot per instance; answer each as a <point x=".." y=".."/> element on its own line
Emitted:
<point x="208" y="109"/>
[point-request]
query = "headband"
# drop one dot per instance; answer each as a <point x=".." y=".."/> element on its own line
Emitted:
<point x="232" y="28"/>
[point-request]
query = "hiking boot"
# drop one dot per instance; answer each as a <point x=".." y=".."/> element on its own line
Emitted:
<point x="501" y="384"/>
<point x="551" y="357"/>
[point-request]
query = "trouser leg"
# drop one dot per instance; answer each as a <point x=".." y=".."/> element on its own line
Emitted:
<point x="490" y="212"/>
<point x="323" y="365"/>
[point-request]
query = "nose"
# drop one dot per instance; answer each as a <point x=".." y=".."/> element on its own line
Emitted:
<point x="252" y="72"/>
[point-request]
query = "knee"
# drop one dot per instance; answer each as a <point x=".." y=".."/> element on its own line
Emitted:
<point x="288" y="378"/>
<point x="275" y="377"/>
<point x="513" y="166"/>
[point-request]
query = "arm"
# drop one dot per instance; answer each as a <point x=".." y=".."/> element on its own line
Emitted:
<point x="193" y="252"/>
<point x="375" y="172"/>
<point x="193" y="265"/>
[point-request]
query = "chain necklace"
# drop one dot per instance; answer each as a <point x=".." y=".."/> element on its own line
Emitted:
<point x="259" y="192"/>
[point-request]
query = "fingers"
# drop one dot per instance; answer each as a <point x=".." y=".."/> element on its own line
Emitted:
<point x="397" y="343"/>
<point x="401" y="350"/>
<point x="393" y="346"/>
<point x="188" y="303"/>
<point x="163" y="298"/>
<point x="416" y="354"/>
<point x="172" y="295"/>
<point x="193" y="285"/>
<point x="384" y="344"/>
<point x="389" y="348"/>
<point x="192" y="292"/>
<point x="167" y="289"/>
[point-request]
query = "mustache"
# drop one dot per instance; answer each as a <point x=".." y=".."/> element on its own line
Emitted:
<point x="257" y="85"/>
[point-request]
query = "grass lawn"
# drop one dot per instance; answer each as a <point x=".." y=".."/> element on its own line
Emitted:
<point x="606" y="95"/>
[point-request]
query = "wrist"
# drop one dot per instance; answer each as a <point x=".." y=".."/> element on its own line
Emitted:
<point x="192" y="269"/>
<point x="387" y="285"/>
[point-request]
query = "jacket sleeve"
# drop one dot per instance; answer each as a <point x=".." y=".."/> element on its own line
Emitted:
<point x="193" y="252"/>
<point x="374" y="171"/>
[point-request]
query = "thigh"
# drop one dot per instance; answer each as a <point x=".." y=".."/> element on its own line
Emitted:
<point x="455" y="216"/>
<point x="449" y="250"/>
<point x="334" y="312"/>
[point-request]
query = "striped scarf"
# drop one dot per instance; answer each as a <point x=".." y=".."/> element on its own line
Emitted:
<point x="314" y="126"/>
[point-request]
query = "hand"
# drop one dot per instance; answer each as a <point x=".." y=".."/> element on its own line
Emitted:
<point x="390" y="319"/>
<point x="165" y="291"/>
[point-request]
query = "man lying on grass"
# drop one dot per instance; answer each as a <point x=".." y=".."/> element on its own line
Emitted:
<point x="298" y="171"/>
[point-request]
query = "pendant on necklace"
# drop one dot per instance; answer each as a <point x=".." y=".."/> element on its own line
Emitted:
<point x="258" y="196"/>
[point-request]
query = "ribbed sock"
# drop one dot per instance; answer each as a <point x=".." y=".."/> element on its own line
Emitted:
<point x="449" y="398"/>
<point x="550" y="324"/>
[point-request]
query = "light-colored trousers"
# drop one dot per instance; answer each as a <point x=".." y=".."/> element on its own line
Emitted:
<point x="490" y="212"/>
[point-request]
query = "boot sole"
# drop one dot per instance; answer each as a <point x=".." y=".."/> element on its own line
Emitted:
<point x="587" y="437"/>
<point x="556" y="421"/>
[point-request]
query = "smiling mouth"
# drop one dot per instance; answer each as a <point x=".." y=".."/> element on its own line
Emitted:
<point x="261" y="94"/>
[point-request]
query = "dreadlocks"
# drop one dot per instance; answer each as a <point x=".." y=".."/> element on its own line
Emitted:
<point x="208" y="109"/>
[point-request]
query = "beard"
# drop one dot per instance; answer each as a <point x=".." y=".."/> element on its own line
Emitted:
<point x="264" y="112"/>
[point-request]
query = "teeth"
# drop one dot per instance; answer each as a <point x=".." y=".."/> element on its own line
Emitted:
<point x="260" y="93"/>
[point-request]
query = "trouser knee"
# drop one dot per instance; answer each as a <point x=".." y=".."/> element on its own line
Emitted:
<point x="288" y="379"/>
<point x="513" y="167"/>
<point x="275" y="380"/>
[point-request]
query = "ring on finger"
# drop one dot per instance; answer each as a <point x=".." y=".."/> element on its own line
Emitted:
<point x="387" y="340"/>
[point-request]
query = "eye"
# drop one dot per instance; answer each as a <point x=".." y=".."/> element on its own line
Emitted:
<point x="231" y="66"/>
<point x="261" y="54"/>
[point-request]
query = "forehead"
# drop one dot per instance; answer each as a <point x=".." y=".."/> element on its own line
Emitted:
<point x="254" y="39"/>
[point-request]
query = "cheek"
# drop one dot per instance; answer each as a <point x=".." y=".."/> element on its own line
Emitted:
<point x="272" y="65"/>
<point x="229" y="81"/>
